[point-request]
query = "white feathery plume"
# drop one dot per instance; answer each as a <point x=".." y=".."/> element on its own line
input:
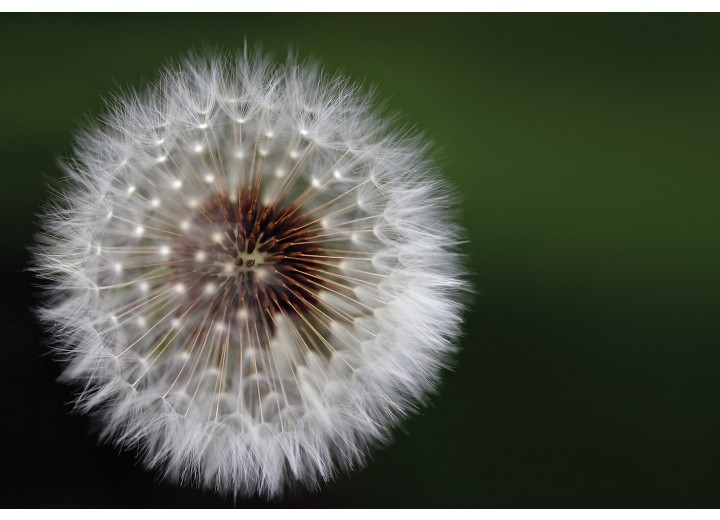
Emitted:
<point x="251" y="276"/>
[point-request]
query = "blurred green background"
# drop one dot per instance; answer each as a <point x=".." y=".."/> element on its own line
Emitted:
<point x="585" y="148"/>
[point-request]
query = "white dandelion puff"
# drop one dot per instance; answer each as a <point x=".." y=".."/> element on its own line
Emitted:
<point x="251" y="276"/>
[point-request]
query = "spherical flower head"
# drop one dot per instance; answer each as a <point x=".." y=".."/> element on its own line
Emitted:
<point x="251" y="276"/>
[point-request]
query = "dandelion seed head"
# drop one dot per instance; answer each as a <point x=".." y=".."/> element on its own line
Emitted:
<point x="273" y="281"/>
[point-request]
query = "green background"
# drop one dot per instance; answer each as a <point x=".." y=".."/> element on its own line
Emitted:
<point x="585" y="150"/>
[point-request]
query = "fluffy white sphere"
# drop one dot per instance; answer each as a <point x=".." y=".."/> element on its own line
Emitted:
<point x="251" y="277"/>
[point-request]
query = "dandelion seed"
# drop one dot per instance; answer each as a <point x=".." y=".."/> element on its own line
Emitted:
<point x="293" y="304"/>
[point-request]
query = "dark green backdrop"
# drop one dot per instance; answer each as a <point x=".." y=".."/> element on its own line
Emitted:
<point x="585" y="148"/>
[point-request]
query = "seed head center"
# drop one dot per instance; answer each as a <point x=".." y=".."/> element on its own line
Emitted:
<point x="238" y="256"/>
<point x="245" y="261"/>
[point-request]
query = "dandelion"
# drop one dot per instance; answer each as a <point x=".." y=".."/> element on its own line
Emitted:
<point x="252" y="278"/>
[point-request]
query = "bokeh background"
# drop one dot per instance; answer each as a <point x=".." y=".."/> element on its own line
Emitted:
<point x="585" y="150"/>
